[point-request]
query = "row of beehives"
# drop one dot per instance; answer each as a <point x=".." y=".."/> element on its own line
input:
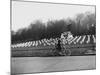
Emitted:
<point x="84" y="39"/>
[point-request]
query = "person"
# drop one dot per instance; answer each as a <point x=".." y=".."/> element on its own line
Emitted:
<point x="63" y="38"/>
<point x="58" y="45"/>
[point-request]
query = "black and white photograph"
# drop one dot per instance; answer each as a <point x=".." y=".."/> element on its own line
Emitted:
<point x="52" y="37"/>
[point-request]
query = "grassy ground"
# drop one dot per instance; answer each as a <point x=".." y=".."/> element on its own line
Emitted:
<point x="47" y="51"/>
<point x="28" y="65"/>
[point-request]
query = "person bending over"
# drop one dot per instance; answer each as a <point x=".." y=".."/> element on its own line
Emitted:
<point x="58" y="46"/>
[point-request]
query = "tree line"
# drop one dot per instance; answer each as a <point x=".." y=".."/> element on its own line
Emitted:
<point x="82" y="24"/>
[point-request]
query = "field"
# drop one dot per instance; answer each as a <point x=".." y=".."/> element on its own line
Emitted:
<point x="42" y="59"/>
<point x="33" y="59"/>
<point x="76" y="50"/>
<point x="48" y="64"/>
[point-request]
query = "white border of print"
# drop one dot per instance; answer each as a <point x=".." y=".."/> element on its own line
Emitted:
<point x="5" y="37"/>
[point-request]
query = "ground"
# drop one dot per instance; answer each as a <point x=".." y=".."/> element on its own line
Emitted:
<point x="48" y="64"/>
<point x="48" y="51"/>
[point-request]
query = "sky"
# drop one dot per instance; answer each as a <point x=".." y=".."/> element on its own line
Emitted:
<point x="25" y="13"/>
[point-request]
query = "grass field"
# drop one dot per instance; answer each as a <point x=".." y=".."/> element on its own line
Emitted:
<point x="46" y="51"/>
<point x="42" y="59"/>
<point x="51" y="64"/>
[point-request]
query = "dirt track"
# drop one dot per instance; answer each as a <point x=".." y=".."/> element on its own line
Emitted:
<point x="48" y="64"/>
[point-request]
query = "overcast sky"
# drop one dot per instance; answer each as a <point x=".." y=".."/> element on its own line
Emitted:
<point x="24" y="13"/>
